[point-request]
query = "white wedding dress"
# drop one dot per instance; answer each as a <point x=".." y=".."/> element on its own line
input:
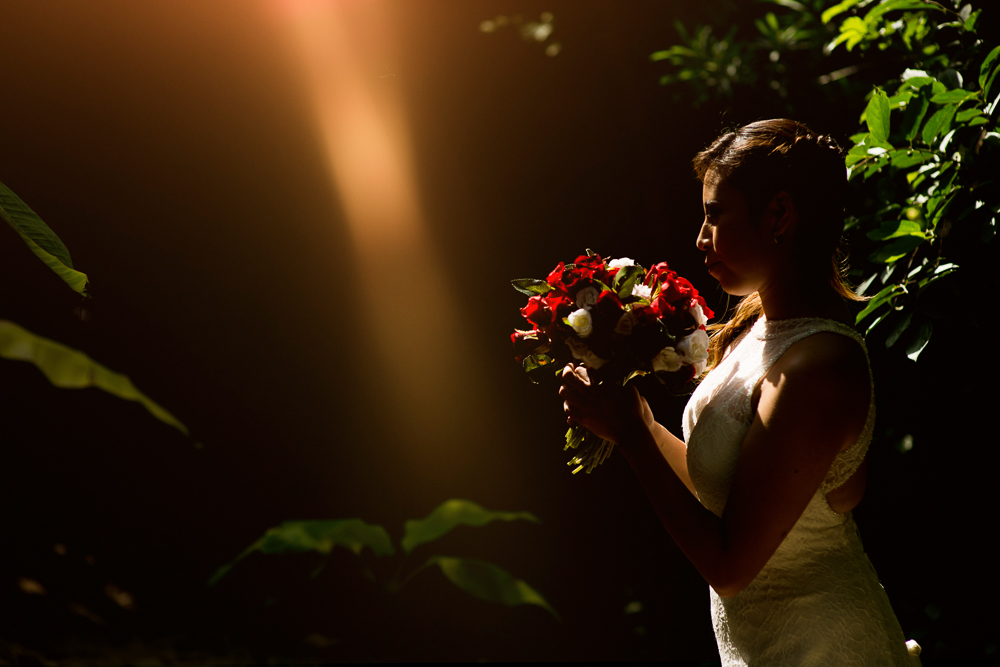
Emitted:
<point x="818" y="600"/>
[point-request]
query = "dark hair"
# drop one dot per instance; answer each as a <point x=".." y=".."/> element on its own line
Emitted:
<point x="762" y="159"/>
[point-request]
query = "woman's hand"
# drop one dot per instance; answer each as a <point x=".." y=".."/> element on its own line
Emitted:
<point x="612" y="412"/>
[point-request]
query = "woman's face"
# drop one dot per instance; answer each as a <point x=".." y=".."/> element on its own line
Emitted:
<point x="738" y="251"/>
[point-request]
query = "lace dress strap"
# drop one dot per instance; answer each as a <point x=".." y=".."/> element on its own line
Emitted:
<point x="778" y="336"/>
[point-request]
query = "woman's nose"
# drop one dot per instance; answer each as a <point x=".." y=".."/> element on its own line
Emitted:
<point x="704" y="241"/>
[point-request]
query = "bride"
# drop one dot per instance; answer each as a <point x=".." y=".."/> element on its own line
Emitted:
<point x="758" y="494"/>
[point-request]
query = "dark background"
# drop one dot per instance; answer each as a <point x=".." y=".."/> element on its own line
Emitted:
<point x="171" y="147"/>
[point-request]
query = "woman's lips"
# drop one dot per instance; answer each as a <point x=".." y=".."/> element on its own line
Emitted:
<point x="712" y="266"/>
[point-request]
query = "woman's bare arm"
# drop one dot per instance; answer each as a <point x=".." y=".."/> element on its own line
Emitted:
<point x="674" y="451"/>
<point x="812" y="402"/>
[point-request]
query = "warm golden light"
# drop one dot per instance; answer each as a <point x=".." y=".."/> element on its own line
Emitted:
<point x="360" y="118"/>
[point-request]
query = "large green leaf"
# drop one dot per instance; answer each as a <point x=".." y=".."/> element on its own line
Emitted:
<point x="488" y="582"/>
<point x="450" y="514"/>
<point x="42" y="240"/>
<point x="70" y="369"/>
<point x="938" y="124"/>
<point x="877" y="116"/>
<point x="316" y="535"/>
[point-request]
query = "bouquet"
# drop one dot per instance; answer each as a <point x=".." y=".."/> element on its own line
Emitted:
<point x="620" y="321"/>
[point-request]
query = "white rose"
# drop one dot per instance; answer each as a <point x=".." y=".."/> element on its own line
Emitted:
<point x="698" y="314"/>
<point x="694" y="347"/>
<point x="587" y="297"/>
<point x="642" y="291"/>
<point x="581" y="322"/>
<point x="619" y="263"/>
<point x="625" y="323"/>
<point x="668" y="360"/>
<point x="583" y="353"/>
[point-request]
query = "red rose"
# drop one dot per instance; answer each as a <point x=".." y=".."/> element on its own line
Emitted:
<point x="656" y="274"/>
<point x="527" y="343"/>
<point x="675" y="288"/>
<point x="537" y="312"/>
<point x="555" y="278"/>
<point x="699" y="300"/>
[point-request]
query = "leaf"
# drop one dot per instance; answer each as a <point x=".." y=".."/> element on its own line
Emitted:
<point x="70" y="369"/>
<point x="896" y="249"/>
<point x="42" y="240"/>
<point x="877" y="115"/>
<point x="316" y="535"/>
<point x="531" y="286"/>
<point x="626" y="279"/>
<point x="450" y="514"/>
<point x="839" y="8"/>
<point x="952" y="97"/>
<point x="939" y="123"/>
<point x="918" y="345"/>
<point x="987" y="66"/>
<point x="488" y="582"/>
<point x="884" y="296"/>
<point x="906" y="158"/>
<point x="970" y="23"/>
<point x="966" y="115"/>
<point x="894" y="5"/>
<point x="898" y="330"/>
<point x="533" y="363"/>
<point x="891" y="229"/>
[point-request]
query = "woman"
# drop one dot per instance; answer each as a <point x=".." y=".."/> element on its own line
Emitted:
<point x="758" y="494"/>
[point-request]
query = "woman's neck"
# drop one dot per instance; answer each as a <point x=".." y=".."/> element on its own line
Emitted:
<point x="792" y="296"/>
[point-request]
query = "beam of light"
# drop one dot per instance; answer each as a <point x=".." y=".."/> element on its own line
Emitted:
<point x="360" y="120"/>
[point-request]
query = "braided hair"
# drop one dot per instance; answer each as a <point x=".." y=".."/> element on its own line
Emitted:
<point x="770" y="156"/>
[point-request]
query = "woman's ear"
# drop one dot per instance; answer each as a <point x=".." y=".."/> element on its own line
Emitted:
<point x="784" y="215"/>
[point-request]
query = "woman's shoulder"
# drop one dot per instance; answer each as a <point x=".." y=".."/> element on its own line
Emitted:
<point x="826" y="356"/>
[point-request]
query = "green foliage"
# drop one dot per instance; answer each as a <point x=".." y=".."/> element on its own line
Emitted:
<point x="70" y="369"/>
<point x="927" y="166"/>
<point x="483" y="580"/>
<point x="488" y="582"/>
<point x="42" y="240"/>
<point x="934" y="168"/>
<point x="712" y="67"/>
<point x="449" y="515"/>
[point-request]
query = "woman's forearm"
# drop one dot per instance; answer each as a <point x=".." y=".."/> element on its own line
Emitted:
<point x="674" y="451"/>
<point x="698" y="532"/>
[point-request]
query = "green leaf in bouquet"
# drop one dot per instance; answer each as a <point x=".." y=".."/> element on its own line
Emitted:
<point x="451" y="514"/>
<point x="320" y="536"/>
<point x="71" y="369"/>
<point x="877" y="115"/>
<point x="42" y="240"/>
<point x="626" y="279"/>
<point x="488" y="582"/>
<point x="531" y="286"/>
<point x="534" y="363"/>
